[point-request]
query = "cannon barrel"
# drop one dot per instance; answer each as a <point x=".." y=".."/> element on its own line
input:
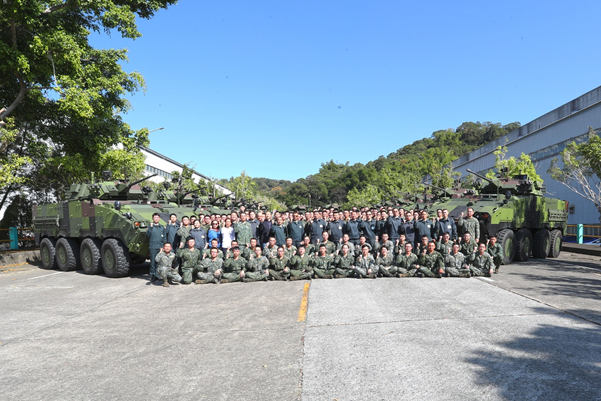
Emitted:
<point x="140" y="180"/>
<point x="481" y="176"/>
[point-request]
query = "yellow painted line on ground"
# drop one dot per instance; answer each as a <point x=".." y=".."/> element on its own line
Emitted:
<point x="302" y="312"/>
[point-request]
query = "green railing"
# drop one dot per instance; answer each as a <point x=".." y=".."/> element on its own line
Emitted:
<point x="582" y="231"/>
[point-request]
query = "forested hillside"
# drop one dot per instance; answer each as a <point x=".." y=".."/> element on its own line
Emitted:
<point x="385" y="177"/>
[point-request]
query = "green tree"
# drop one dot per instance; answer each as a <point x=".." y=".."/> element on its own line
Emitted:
<point x="507" y="168"/>
<point x="581" y="170"/>
<point x="243" y="186"/>
<point x="369" y="196"/>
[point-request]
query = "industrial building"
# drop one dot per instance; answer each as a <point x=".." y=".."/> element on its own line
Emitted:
<point x="543" y="139"/>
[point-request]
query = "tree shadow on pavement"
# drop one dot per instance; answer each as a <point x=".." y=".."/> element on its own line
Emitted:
<point x="549" y="363"/>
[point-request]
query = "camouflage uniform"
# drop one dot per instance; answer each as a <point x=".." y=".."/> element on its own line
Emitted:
<point x="399" y="248"/>
<point x="248" y="253"/>
<point x="419" y="249"/>
<point x="444" y="248"/>
<point x="330" y="247"/>
<point x="310" y="249"/>
<point x="386" y="267"/>
<point x="301" y="267"/>
<point x="454" y="265"/>
<point x="470" y="225"/>
<point x="359" y="250"/>
<point x="232" y="268"/>
<point x="206" y="253"/>
<point x="344" y="265"/>
<point x="244" y="233"/>
<point x="389" y="245"/>
<point x="208" y="268"/>
<point x="190" y="260"/>
<point x="183" y="233"/>
<point x="406" y="264"/>
<point x="256" y="269"/>
<point x="156" y="235"/>
<point x="431" y="264"/>
<point x="363" y="264"/>
<point x="270" y="253"/>
<point x="277" y="267"/>
<point x="496" y="252"/>
<point x="165" y="269"/>
<point x="322" y="266"/>
<point x="351" y="248"/>
<point x="480" y="265"/>
<point x="467" y="248"/>
<point x="289" y="252"/>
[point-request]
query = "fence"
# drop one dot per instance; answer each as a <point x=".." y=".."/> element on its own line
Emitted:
<point x="583" y="233"/>
<point x="17" y="237"/>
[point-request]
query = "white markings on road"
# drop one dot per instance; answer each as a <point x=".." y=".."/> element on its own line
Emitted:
<point x="486" y="278"/>
<point x="45" y="275"/>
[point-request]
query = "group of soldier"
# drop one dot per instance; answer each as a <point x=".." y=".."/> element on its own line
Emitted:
<point x="362" y="243"/>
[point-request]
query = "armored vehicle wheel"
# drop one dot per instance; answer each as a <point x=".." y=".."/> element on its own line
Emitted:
<point x="90" y="256"/>
<point x="507" y="241"/>
<point x="556" y="241"/>
<point x="136" y="259"/>
<point x="115" y="258"/>
<point x="523" y="241"/>
<point x="48" y="253"/>
<point x="67" y="254"/>
<point x="541" y="244"/>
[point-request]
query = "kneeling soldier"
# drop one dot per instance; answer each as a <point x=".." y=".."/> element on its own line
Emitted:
<point x="495" y="250"/>
<point x="385" y="262"/>
<point x="322" y="263"/>
<point x="258" y="267"/>
<point x="165" y="261"/>
<point x="211" y="268"/>
<point x="455" y="265"/>
<point x="343" y="264"/>
<point x="432" y="264"/>
<point x="279" y="266"/>
<point x="234" y="268"/>
<point x="481" y="263"/>
<point x="190" y="258"/>
<point x="301" y="265"/>
<point x="406" y="262"/>
<point x="365" y="266"/>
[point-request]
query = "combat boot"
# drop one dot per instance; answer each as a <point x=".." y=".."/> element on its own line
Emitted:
<point x="404" y="275"/>
<point x="225" y="280"/>
<point x="201" y="281"/>
<point x="166" y="283"/>
<point x="371" y="275"/>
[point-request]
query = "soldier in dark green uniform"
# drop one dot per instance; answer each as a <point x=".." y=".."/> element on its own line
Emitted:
<point x="445" y="245"/>
<point x="406" y="262"/>
<point x="455" y="264"/>
<point x="234" y="268"/>
<point x="258" y="267"/>
<point x="470" y="225"/>
<point x="423" y="245"/>
<point x="289" y="248"/>
<point x="271" y="250"/>
<point x="431" y="261"/>
<point x="206" y="253"/>
<point x="365" y="265"/>
<point x="156" y="235"/>
<point x="211" y="268"/>
<point x="346" y="241"/>
<point x="481" y="264"/>
<point x="467" y="245"/>
<point x="330" y="246"/>
<point x="344" y="263"/>
<point x="385" y="262"/>
<point x="322" y="263"/>
<point x="300" y="265"/>
<point x="183" y="231"/>
<point x="171" y="231"/>
<point x="279" y="267"/>
<point x="190" y="260"/>
<point x="295" y="229"/>
<point x="495" y="251"/>
<point x="165" y="261"/>
<point x="243" y="231"/>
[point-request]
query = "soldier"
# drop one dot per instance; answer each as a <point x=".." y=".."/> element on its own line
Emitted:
<point x="384" y="242"/>
<point x="431" y="262"/>
<point x="316" y="228"/>
<point x="271" y="250"/>
<point x="368" y="228"/>
<point x="309" y="247"/>
<point x="495" y="251"/>
<point x="344" y="263"/>
<point x="471" y="224"/>
<point x="206" y="253"/>
<point x="190" y="260"/>
<point x="335" y="228"/>
<point x="352" y="229"/>
<point x="468" y="246"/>
<point x="406" y="262"/>
<point x="446" y="225"/>
<point x="346" y="241"/>
<point x="444" y="246"/>
<point x="206" y="223"/>
<point x="211" y="268"/>
<point x="254" y="223"/>
<point x="300" y="266"/>
<point x="399" y="247"/>
<point x="322" y="263"/>
<point x="385" y="262"/>
<point x="249" y="252"/>
<point x="425" y="226"/>
<point x="183" y="231"/>
<point x="156" y="235"/>
<point x="280" y="266"/>
<point x="243" y="232"/>
<point x="365" y="265"/>
<point x="330" y="246"/>
<point x="165" y="261"/>
<point x="295" y="229"/>
<point x="408" y="228"/>
<point x="381" y="224"/>
<point x="258" y="267"/>
<point x="393" y="225"/>
<point x="234" y="268"/>
<point x="423" y="245"/>
<point x="171" y="231"/>
<point x="289" y="249"/>
<point x="455" y="265"/>
<point x="278" y="231"/>
<point x="199" y="235"/>
<point x="481" y="264"/>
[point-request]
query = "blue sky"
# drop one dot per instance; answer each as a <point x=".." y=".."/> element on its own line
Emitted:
<point x="275" y="88"/>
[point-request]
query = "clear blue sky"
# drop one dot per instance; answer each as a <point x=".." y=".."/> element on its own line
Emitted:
<point x="278" y="87"/>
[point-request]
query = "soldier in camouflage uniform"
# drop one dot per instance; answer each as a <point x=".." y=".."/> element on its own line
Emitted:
<point x="359" y="247"/>
<point x="289" y="249"/>
<point x="385" y="263"/>
<point x="230" y="252"/>
<point x="346" y="241"/>
<point x="206" y="253"/>
<point x="431" y="262"/>
<point x="271" y="250"/>
<point x="384" y="242"/>
<point x="330" y="246"/>
<point x="243" y="231"/>
<point x="234" y="268"/>
<point x="279" y="267"/>
<point x="183" y="232"/>
<point x="322" y="263"/>
<point x="481" y="264"/>
<point x="455" y="264"/>
<point x="310" y="249"/>
<point x="422" y="246"/>
<point x="300" y="265"/>
<point x="258" y="267"/>
<point x="344" y="263"/>
<point x="190" y="260"/>
<point x="470" y="225"/>
<point x="249" y="252"/>
<point x="445" y="245"/>
<point x="211" y="268"/>
<point x="495" y="250"/>
<point x="365" y="265"/>
<point x="165" y="261"/>
<point x="399" y="247"/>
<point x="407" y="262"/>
<point x="467" y="245"/>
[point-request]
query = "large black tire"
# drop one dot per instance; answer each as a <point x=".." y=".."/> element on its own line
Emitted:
<point x="67" y="254"/>
<point x="556" y="241"/>
<point x="541" y="244"/>
<point x="48" y="253"/>
<point x="507" y="242"/>
<point x="90" y="256"/>
<point x="115" y="258"/>
<point x="523" y="245"/>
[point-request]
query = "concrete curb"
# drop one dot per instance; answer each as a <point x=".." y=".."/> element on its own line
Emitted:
<point x="594" y="250"/>
<point x="19" y="257"/>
